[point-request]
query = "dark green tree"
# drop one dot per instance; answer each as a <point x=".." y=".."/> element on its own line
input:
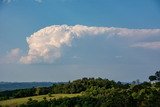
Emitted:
<point x="157" y="74"/>
<point x="152" y="78"/>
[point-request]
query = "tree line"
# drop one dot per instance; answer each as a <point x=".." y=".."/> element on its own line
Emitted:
<point x="76" y="86"/>
<point x="111" y="95"/>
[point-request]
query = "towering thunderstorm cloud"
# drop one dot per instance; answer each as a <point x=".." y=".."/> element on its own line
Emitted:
<point x="45" y="45"/>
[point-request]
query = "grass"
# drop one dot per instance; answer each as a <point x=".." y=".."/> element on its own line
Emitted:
<point x="17" y="101"/>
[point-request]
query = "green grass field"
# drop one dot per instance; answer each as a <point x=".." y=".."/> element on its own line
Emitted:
<point x="17" y="101"/>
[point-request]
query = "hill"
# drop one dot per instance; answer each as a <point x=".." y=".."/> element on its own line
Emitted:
<point x="22" y="85"/>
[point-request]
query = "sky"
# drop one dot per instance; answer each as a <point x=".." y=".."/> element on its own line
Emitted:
<point x="62" y="40"/>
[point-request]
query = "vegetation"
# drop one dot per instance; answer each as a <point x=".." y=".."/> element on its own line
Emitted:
<point x="94" y="93"/>
<point x="155" y="77"/>
<point x="18" y="101"/>
<point x="76" y="86"/>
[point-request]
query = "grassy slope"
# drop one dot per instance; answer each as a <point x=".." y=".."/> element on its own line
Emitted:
<point x="17" y="101"/>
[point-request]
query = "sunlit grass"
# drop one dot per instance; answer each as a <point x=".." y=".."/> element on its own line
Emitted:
<point x="18" y="101"/>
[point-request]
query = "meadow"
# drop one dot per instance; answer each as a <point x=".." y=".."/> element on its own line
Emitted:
<point x="17" y="101"/>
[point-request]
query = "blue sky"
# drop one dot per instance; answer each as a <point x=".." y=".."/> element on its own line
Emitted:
<point x="118" y="58"/>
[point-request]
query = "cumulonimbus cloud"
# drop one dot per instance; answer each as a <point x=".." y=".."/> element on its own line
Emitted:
<point x="45" y="45"/>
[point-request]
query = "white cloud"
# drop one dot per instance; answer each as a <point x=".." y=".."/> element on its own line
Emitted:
<point x="12" y="56"/>
<point x="45" y="45"/>
<point x="148" y="45"/>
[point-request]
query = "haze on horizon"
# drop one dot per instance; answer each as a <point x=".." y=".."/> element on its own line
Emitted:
<point x="62" y="40"/>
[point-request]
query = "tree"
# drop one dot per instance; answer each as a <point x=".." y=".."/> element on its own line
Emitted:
<point x="157" y="74"/>
<point x="152" y="78"/>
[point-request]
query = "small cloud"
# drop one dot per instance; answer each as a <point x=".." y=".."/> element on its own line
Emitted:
<point x="9" y="1"/>
<point x="147" y="45"/>
<point x="76" y="57"/>
<point x="39" y="1"/>
<point x="118" y="56"/>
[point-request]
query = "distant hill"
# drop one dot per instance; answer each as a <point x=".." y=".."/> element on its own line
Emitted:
<point x="21" y="85"/>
